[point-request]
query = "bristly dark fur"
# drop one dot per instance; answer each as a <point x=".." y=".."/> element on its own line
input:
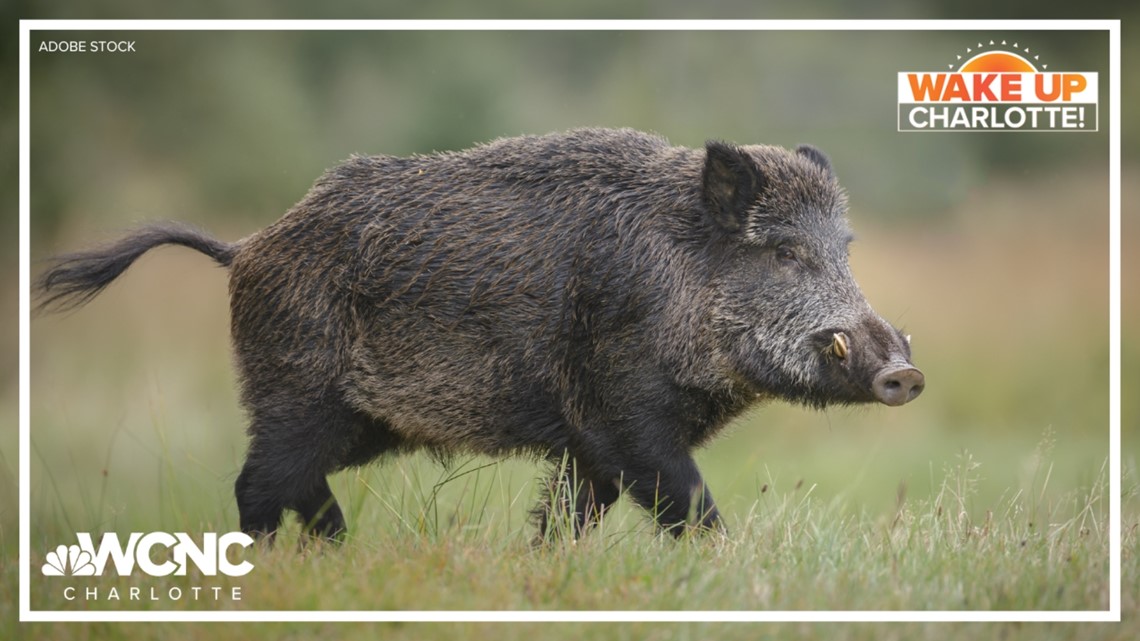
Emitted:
<point x="72" y="280"/>
<point x="599" y="295"/>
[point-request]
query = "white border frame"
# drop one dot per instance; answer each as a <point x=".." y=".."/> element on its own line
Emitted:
<point x="1111" y="26"/>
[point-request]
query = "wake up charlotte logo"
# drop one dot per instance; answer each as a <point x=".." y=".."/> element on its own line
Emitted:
<point x="179" y="553"/>
<point x="997" y="87"/>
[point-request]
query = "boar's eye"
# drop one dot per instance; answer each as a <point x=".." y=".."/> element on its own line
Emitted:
<point x="787" y="254"/>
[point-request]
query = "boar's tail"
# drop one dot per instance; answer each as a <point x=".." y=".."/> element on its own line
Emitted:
<point x="74" y="279"/>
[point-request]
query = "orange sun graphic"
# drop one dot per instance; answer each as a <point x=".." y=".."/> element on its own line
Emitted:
<point x="1004" y="59"/>
<point x="998" y="62"/>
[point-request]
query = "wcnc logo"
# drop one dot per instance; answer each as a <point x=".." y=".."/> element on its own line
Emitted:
<point x="210" y="557"/>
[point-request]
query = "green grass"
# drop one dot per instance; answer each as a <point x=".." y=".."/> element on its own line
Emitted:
<point x="427" y="537"/>
<point x="432" y="537"/>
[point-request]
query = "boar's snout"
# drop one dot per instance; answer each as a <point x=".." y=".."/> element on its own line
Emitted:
<point x="898" y="384"/>
<point x="869" y="361"/>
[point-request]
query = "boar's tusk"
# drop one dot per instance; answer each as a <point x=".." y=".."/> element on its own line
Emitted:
<point x="907" y="337"/>
<point x="839" y="344"/>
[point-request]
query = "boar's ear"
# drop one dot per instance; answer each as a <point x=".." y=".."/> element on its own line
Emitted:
<point x="730" y="183"/>
<point x="817" y="157"/>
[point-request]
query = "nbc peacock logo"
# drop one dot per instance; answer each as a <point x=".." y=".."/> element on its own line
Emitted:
<point x="68" y="560"/>
<point x="997" y="85"/>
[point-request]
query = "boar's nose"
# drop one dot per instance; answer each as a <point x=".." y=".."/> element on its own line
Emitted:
<point x="898" y="385"/>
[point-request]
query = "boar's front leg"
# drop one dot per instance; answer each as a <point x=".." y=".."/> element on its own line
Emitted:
<point x="670" y="487"/>
<point x="650" y="457"/>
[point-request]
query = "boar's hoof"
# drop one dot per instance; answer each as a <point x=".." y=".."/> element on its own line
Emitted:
<point x="898" y="385"/>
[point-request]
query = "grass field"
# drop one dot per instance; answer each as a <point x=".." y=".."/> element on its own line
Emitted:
<point x="990" y="492"/>
<point x="433" y="538"/>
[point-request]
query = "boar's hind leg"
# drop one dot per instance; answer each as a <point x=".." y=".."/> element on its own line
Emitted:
<point x="274" y="479"/>
<point x="320" y="515"/>
<point x="260" y="504"/>
<point x="290" y="453"/>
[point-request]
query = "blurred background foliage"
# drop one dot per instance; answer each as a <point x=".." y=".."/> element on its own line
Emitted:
<point x="330" y="91"/>
<point x="990" y="247"/>
<point x="287" y="105"/>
